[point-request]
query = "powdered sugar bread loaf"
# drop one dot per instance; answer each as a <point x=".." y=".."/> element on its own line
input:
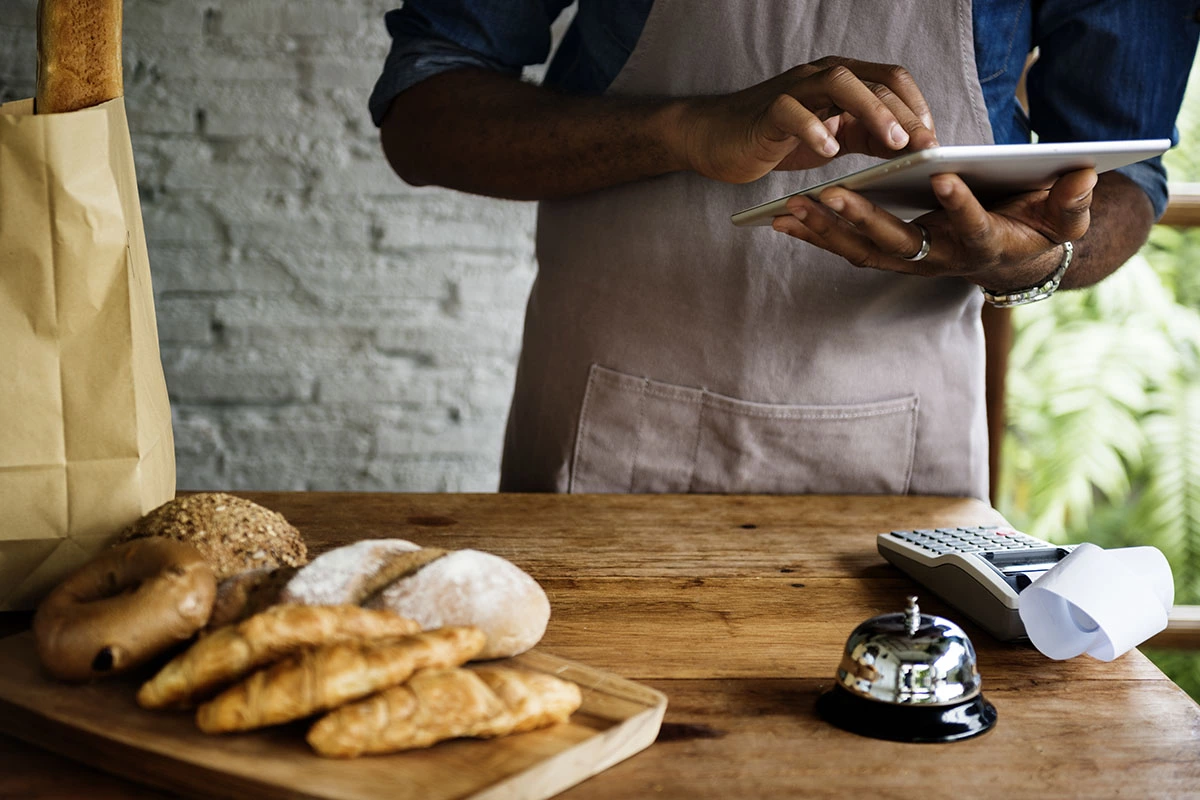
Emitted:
<point x="437" y="588"/>
<point x="350" y="575"/>
<point x="470" y="587"/>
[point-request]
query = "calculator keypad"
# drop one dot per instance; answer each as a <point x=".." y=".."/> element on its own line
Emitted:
<point x="982" y="539"/>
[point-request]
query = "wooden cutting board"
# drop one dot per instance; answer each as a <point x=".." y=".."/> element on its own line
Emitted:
<point x="101" y="725"/>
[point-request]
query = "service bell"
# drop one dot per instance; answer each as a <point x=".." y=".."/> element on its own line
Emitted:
<point x="908" y="677"/>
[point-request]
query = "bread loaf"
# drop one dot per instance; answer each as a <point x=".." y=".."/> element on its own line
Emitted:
<point x="433" y="587"/>
<point x="470" y="587"/>
<point x="353" y="574"/>
<point x="234" y="535"/>
<point x="79" y="54"/>
<point x="241" y="596"/>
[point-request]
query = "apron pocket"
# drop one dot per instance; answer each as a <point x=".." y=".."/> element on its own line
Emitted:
<point x="639" y="435"/>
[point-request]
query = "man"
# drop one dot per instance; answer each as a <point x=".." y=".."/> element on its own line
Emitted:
<point x="667" y="351"/>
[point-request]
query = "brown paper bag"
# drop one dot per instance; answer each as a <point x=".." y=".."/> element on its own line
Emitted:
<point x="85" y="425"/>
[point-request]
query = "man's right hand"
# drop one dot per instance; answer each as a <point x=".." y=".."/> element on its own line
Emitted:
<point x="492" y="134"/>
<point x="802" y="119"/>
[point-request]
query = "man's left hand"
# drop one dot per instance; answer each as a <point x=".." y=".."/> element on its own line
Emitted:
<point x="1013" y="245"/>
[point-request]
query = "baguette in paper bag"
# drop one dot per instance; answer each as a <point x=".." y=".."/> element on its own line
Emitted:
<point x="87" y="445"/>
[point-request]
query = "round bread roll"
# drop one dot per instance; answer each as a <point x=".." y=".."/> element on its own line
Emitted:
<point x="434" y="587"/>
<point x="233" y="534"/>
<point x="470" y="587"/>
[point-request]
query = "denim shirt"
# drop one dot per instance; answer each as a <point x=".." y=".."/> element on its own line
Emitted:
<point x="1107" y="69"/>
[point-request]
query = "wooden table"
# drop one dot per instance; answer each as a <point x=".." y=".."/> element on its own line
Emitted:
<point x="737" y="608"/>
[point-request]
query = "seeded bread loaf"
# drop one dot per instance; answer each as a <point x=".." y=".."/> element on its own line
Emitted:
<point x="233" y="534"/>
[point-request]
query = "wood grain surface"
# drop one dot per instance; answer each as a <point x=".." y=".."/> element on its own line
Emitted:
<point x="737" y="609"/>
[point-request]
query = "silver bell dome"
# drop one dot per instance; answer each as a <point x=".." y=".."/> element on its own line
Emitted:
<point x="908" y="677"/>
<point x="910" y="658"/>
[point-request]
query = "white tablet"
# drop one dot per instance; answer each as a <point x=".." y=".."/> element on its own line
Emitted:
<point x="901" y="185"/>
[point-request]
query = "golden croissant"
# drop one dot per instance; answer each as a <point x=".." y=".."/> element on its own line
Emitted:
<point x="325" y="677"/>
<point x="438" y="704"/>
<point x="233" y="651"/>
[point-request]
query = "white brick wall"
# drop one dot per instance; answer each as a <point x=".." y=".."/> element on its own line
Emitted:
<point x="323" y="325"/>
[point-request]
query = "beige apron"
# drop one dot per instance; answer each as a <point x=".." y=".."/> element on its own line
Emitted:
<point x="667" y="351"/>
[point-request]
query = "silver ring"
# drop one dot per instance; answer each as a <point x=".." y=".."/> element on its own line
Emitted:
<point x="925" y="244"/>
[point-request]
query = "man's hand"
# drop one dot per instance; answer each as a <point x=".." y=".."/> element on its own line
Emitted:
<point x="1013" y="245"/>
<point x="492" y="134"/>
<point x="802" y="119"/>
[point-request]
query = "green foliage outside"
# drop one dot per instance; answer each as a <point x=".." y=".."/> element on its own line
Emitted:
<point x="1103" y="440"/>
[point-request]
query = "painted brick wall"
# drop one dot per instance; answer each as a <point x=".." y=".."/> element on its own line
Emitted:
<point x="323" y="326"/>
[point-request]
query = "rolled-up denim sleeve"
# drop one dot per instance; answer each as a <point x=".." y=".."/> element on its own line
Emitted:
<point x="1113" y="69"/>
<point x="434" y="36"/>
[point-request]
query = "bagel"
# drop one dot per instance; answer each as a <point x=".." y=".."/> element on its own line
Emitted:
<point x="123" y="608"/>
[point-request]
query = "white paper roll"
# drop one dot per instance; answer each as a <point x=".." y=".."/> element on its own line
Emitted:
<point x="1100" y="602"/>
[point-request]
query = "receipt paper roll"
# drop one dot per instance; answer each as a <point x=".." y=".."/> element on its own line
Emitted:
<point x="1100" y="602"/>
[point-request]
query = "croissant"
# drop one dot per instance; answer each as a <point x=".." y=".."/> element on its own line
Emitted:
<point x="325" y="677"/>
<point x="443" y="704"/>
<point x="231" y="652"/>
<point x="535" y="699"/>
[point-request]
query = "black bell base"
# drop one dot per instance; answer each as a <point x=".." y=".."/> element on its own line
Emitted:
<point x="906" y="723"/>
